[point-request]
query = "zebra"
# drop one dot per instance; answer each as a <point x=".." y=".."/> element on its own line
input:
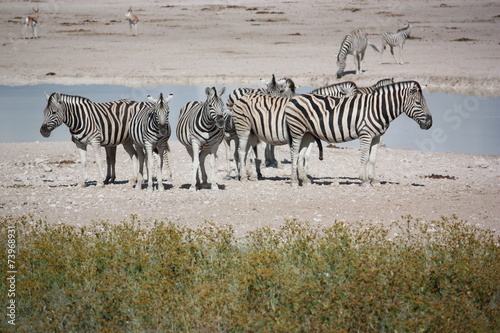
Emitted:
<point x="342" y="89"/>
<point x="364" y="116"/>
<point x="258" y="117"/>
<point x="380" y="83"/>
<point x="201" y="129"/>
<point x="396" y="39"/>
<point x="283" y="87"/>
<point x="354" y="43"/>
<point x="150" y="129"/>
<point x="95" y="124"/>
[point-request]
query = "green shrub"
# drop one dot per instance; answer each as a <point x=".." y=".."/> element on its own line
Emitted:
<point x="138" y="276"/>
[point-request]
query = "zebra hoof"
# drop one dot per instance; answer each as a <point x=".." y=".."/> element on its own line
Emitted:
<point x="376" y="182"/>
<point x="365" y="184"/>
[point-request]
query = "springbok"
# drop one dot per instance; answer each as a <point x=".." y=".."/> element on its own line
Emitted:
<point x="32" y="21"/>
<point x="132" y="21"/>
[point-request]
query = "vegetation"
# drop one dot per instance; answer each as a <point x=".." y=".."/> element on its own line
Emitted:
<point x="439" y="276"/>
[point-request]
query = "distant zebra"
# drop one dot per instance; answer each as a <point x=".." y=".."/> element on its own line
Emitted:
<point x="370" y="89"/>
<point x="150" y="129"/>
<point x="342" y="89"/>
<point x="396" y="39"/>
<point x="258" y="117"/>
<point x="201" y="129"/>
<point x="364" y="116"/>
<point x="354" y="43"/>
<point x="95" y="124"/>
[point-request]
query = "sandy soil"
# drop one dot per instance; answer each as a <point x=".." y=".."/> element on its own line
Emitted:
<point x="41" y="179"/>
<point x="455" y="48"/>
<point x="454" y="45"/>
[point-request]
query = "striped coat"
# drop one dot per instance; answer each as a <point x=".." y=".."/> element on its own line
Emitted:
<point x="364" y="116"/>
<point x="95" y="124"/>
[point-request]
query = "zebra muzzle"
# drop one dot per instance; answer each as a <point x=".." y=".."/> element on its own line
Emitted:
<point x="45" y="131"/>
<point x="427" y="123"/>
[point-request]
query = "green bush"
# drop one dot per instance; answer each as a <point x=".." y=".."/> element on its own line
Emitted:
<point x="439" y="276"/>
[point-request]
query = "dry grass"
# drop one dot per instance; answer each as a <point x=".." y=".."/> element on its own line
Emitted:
<point x="156" y="276"/>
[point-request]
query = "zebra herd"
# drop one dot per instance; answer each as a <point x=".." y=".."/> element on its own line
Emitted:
<point x="355" y="43"/>
<point x="252" y="118"/>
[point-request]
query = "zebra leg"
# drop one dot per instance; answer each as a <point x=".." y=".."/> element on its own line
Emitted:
<point x="136" y="169"/>
<point x="165" y="160"/>
<point x="307" y="140"/>
<point x="365" y="146"/>
<point x="150" y="165"/>
<point x="140" y="171"/>
<point x="98" y="158"/>
<point x="242" y="155"/>
<point x="260" y="158"/>
<point x="370" y="172"/>
<point x="294" y="155"/>
<point x="401" y="61"/>
<point x="307" y="155"/>
<point x="213" y="167"/>
<point x="110" y="162"/>
<point x="195" y="155"/>
<point x="82" y="148"/>
<point x="392" y="52"/>
<point x="203" y="169"/>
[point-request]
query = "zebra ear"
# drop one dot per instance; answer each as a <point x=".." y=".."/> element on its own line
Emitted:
<point x="57" y="96"/>
<point x="169" y="97"/>
<point x="210" y="91"/>
<point x="221" y="92"/>
<point x="47" y="96"/>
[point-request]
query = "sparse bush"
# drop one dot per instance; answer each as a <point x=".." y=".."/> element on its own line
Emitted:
<point x="139" y="276"/>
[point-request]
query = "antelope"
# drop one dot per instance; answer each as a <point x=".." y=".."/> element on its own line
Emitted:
<point x="132" y="21"/>
<point x="31" y="21"/>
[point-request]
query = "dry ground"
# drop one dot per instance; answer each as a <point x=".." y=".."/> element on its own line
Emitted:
<point x="454" y="48"/>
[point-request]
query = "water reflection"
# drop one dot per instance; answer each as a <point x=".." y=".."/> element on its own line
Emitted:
<point x="462" y="124"/>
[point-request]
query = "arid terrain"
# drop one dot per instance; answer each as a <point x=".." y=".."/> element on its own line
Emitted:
<point x="454" y="48"/>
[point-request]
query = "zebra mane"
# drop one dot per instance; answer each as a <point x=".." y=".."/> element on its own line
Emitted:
<point x="68" y="98"/>
<point x="405" y="28"/>
<point x="397" y="86"/>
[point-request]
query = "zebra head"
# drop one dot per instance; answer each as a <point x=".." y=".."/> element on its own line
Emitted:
<point x="161" y="112"/>
<point x="415" y="106"/>
<point x="53" y="115"/>
<point x="286" y="88"/>
<point x="282" y="88"/>
<point x="215" y="106"/>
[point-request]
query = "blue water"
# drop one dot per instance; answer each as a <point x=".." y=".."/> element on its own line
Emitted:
<point x="461" y="124"/>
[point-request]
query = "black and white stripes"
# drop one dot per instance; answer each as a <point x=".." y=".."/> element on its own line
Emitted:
<point x="396" y="39"/>
<point x="354" y="43"/>
<point x="201" y="129"/>
<point x="95" y="124"/>
<point x="364" y="116"/>
<point x="150" y="129"/>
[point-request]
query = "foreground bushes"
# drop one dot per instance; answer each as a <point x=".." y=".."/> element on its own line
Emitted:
<point x="440" y="276"/>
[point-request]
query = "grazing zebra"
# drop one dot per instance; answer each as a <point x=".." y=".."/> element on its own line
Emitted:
<point x="95" y="124"/>
<point x="150" y="129"/>
<point x="342" y="89"/>
<point x="32" y="22"/>
<point x="132" y="21"/>
<point x="364" y="116"/>
<point x="397" y="39"/>
<point x="201" y="129"/>
<point x="354" y="43"/>
<point x="370" y="89"/>
<point x="258" y="117"/>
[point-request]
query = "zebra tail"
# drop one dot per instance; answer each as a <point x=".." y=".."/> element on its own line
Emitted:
<point x="320" y="148"/>
<point x="375" y="48"/>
